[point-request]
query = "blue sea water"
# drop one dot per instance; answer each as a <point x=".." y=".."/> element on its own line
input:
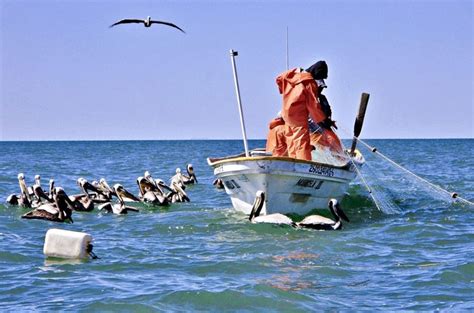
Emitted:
<point x="203" y="256"/>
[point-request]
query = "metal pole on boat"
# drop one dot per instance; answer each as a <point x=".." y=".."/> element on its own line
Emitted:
<point x="364" y="100"/>
<point x="237" y="91"/>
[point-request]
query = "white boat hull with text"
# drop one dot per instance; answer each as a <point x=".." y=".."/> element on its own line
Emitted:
<point x="291" y="185"/>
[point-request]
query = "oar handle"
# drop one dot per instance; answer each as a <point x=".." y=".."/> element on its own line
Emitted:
<point x="364" y="100"/>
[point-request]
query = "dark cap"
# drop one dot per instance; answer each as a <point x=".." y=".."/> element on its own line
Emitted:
<point x="318" y="70"/>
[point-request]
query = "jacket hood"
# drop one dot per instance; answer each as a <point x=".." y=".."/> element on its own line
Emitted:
<point x="293" y="77"/>
<point x="318" y="70"/>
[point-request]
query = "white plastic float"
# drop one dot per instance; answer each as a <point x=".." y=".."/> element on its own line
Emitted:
<point x="60" y="243"/>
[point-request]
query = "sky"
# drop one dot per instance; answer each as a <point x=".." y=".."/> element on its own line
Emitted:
<point x="65" y="75"/>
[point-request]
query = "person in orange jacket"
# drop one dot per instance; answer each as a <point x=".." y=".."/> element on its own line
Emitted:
<point x="300" y="93"/>
<point x="276" y="141"/>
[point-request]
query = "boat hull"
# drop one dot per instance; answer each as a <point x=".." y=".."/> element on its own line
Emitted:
<point x="290" y="185"/>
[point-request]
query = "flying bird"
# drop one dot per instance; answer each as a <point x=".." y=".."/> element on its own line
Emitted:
<point x="147" y="22"/>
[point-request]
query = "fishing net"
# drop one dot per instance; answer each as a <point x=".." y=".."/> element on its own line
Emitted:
<point x="395" y="187"/>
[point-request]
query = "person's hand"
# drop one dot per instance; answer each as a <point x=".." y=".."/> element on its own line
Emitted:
<point x="328" y="123"/>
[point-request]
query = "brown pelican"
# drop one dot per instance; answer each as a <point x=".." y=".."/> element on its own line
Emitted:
<point x="83" y="202"/>
<point x="38" y="180"/>
<point x="191" y="177"/>
<point x="177" y="178"/>
<point x="177" y="184"/>
<point x="106" y="188"/>
<point x="324" y="223"/>
<point x="40" y="194"/>
<point x="25" y="199"/>
<point x="51" y="187"/>
<point x="125" y="195"/>
<point x="275" y="218"/>
<point x="313" y="221"/>
<point x="60" y="211"/>
<point x="146" y="22"/>
<point x="118" y="208"/>
<point x="13" y="199"/>
<point x="218" y="183"/>
<point x="149" y="192"/>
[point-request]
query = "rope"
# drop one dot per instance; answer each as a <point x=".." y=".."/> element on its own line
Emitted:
<point x="89" y="251"/>
<point x="364" y="181"/>
<point x="453" y="195"/>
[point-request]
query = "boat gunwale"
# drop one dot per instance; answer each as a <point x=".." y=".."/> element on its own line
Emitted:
<point x="242" y="158"/>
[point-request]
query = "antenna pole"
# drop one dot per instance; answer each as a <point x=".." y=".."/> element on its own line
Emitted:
<point x="233" y="54"/>
<point x="287" y="53"/>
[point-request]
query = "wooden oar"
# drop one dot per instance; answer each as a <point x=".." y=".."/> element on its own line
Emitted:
<point x="364" y="100"/>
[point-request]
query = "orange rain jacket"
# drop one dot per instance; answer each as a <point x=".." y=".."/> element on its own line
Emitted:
<point x="300" y="99"/>
<point x="276" y="142"/>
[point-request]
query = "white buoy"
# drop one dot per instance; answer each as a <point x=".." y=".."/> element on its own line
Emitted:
<point x="60" y="243"/>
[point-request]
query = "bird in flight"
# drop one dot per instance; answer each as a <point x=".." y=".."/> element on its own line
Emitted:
<point x="147" y="22"/>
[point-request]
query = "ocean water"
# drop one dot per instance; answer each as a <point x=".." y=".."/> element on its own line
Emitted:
<point x="415" y="253"/>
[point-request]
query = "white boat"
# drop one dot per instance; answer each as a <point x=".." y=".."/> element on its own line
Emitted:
<point x="291" y="185"/>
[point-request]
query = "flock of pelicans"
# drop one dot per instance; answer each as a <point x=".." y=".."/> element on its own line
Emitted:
<point x="55" y="205"/>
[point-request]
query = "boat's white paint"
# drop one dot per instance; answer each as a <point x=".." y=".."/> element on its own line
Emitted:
<point x="291" y="186"/>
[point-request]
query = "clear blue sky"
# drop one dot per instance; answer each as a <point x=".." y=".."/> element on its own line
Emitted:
<point x="66" y="75"/>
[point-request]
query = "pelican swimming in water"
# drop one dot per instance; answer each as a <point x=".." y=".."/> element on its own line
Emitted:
<point x="275" y="218"/>
<point x="191" y="177"/>
<point x="323" y="223"/>
<point x="146" y="22"/>
<point x="60" y="211"/>
<point x="118" y="208"/>
<point x="105" y="188"/>
<point x="51" y="187"/>
<point x="83" y="202"/>
<point x="218" y="183"/>
<point x="39" y="195"/>
<point x="313" y="221"/>
<point x="149" y="192"/>
<point x="177" y="184"/>
<point x="25" y="198"/>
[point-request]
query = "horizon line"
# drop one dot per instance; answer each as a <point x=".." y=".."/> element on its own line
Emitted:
<point x="213" y="139"/>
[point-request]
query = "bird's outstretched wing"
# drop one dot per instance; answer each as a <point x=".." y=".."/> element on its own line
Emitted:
<point x="127" y="21"/>
<point x="167" y="23"/>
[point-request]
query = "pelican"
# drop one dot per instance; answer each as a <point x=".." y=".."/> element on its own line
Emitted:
<point x="218" y="183"/>
<point x="275" y="218"/>
<point x="103" y="193"/>
<point x="51" y="187"/>
<point x="146" y="22"/>
<point x="60" y="211"/>
<point x="149" y="192"/>
<point x="191" y="178"/>
<point x="105" y="186"/>
<point x="83" y="202"/>
<point x="177" y="184"/>
<point x="118" y="208"/>
<point x="13" y="199"/>
<point x="324" y="223"/>
<point x="177" y="178"/>
<point x="25" y="199"/>
<point x="39" y="193"/>
<point x="125" y="195"/>
<point x="38" y="180"/>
